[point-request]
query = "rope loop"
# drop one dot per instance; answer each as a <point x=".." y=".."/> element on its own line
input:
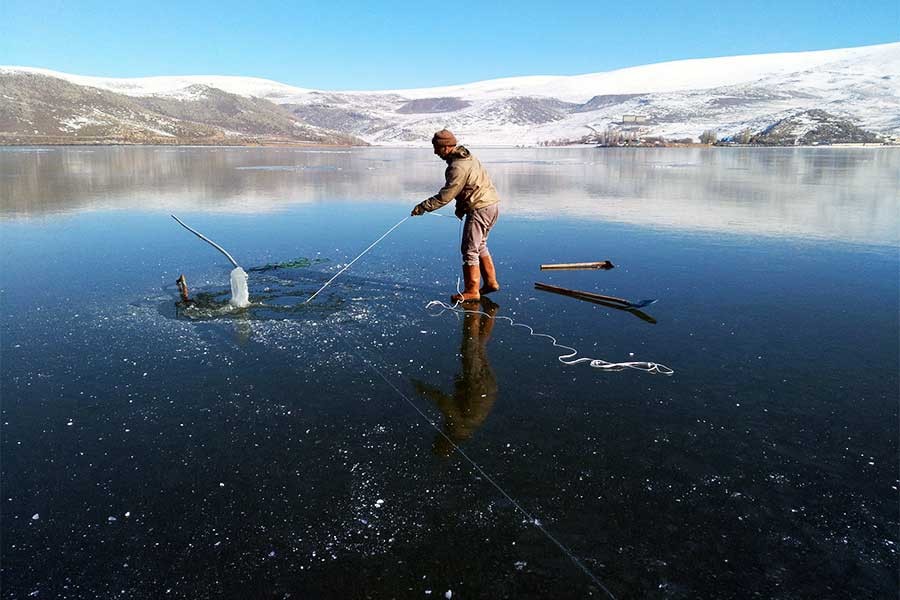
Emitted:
<point x="567" y="358"/>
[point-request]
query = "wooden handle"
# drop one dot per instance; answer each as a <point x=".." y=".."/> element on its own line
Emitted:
<point x="603" y="264"/>
<point x="181" y="282"/>
<point x="579" y="294"/>
<point x="608" y="301"/>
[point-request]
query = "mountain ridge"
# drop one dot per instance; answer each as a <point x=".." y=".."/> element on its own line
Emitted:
<point x="674" y="100"/>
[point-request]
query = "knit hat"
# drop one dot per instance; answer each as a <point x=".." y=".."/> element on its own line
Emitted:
<point x="443" y="138"/>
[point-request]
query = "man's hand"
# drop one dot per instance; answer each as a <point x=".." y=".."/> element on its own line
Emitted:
<point x="417" y="210"/>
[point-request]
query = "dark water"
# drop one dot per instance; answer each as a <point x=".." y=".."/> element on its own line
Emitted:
<point x="307" y="451"/>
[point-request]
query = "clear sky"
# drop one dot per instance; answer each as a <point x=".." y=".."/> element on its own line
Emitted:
<point x="347" y="45"/>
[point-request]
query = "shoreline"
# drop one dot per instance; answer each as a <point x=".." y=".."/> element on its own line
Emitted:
<point x="421" y="147"/>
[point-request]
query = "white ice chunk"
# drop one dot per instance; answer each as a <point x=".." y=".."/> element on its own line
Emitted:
<point x="240" y="296"/>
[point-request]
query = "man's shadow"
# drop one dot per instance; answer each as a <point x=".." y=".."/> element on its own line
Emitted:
<point x="475" y="386"/>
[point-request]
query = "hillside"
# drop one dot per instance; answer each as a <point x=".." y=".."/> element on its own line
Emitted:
<point x="746" y="95"/>
<point x="40" y="109"/>
<point x="812" y="128"/>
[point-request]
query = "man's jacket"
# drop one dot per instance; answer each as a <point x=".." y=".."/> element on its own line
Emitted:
<point x="467" y="182"/>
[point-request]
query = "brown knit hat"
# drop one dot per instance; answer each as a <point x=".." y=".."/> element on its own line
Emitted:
<point x="443" y="138"/>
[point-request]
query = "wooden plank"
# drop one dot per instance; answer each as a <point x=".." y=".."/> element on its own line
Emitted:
<point x="603" y="264"/>
<point x="607" y="301"/>
<point x="578" y="293"/>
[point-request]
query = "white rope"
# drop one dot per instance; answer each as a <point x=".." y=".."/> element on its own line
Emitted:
<point x="568" y="358"/>
<point x="327" y="283"/>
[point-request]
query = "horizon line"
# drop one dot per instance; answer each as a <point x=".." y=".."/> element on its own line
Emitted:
<point x="448" y="85"/>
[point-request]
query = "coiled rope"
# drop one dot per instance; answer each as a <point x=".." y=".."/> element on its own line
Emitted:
<point x="566" y="359"/>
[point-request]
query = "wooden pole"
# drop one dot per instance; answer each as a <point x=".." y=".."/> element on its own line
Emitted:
<point x="579" y="294"/>
<point x="181" y="282"/>
<point x="603" y="264"/>
<point x="607" y="301"/>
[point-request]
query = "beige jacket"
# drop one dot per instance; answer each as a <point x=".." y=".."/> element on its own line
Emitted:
<point x="467" y="182"/>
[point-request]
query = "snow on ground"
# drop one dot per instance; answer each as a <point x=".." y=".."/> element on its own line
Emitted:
<point x="655" y="78"/>
<point x="76" y="123"/>
<point x="682" y="98"/>
<point x="174" y="86"/>
<point x="660" y="77"/>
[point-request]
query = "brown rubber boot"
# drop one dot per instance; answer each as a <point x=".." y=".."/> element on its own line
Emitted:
<point x="488" y="275"/>
<point x="470" y="279"/>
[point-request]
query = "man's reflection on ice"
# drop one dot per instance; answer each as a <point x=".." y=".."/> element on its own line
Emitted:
<point x="475" y="387"/>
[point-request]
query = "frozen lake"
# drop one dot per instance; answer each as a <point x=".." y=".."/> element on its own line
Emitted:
<point x="365" y="445"/>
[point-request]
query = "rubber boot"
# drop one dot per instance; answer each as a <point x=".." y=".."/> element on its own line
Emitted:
<point x="488" y="275"/>
<point x="470" y="291"/>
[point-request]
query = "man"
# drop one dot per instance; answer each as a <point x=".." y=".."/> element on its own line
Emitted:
<point x="477" y="200"/>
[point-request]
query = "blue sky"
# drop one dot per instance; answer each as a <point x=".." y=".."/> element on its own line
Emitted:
<point x="367" y="45"/>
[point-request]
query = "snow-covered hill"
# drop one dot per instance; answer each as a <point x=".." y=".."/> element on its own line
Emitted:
<point x="676" y="99"/>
